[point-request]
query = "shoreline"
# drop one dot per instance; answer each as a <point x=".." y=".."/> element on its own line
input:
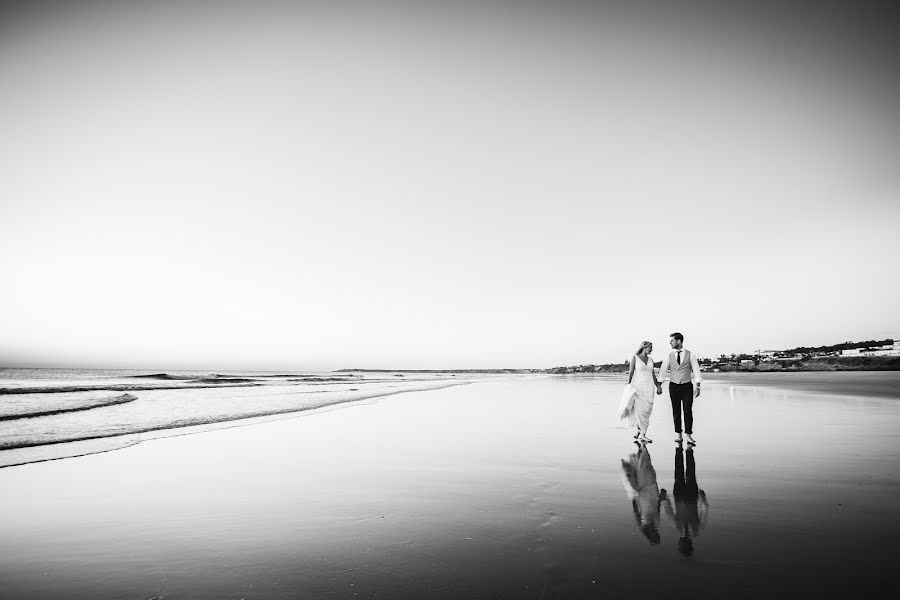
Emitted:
<point x="812" y="364"/>
<point x="832" y="383"/>
<point x="508" y="489"/>
<point x="18" y="450"/>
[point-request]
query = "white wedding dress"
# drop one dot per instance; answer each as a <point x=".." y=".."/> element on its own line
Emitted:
<point x="637" y="398"/>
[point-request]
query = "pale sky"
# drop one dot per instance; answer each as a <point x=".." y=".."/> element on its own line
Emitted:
<point x="322" y="185"/>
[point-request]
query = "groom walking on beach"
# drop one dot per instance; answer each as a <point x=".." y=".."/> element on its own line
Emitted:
<point x="682" y="370"/>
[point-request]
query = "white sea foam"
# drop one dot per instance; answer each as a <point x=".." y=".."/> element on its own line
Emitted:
<point x="44" y="425"/>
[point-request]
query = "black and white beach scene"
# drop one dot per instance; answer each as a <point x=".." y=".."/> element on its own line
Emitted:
<point x="433" y="299"/>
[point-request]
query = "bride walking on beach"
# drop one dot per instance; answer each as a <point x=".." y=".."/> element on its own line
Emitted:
<point x="637" y="397"/>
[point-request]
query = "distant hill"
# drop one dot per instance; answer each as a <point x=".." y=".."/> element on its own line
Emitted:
<point x="841" y="346"/>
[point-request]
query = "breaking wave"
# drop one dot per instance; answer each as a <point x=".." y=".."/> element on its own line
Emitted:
<point x="39" y="418"/>
<point x="11" y="411"/>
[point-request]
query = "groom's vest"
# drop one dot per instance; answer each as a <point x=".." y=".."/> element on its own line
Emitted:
<point x="680" y="373"/>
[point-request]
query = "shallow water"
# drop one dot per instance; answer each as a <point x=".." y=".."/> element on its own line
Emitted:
<point x="57" y="413"/>
<point x="509" y="489"/>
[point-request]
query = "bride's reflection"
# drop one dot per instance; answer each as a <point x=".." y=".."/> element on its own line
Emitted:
<point x="691" y="508"/>
<point x="639" y="478"/>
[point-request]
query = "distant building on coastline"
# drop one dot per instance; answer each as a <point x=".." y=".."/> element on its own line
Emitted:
<point x="883" y="350"/>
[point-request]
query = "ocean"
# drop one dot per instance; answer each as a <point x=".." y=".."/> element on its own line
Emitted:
<point x="55" y="413"/>
<point x="510" y="487"/>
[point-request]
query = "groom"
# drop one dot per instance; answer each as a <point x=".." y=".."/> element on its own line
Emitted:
<point x="685" y="372"/>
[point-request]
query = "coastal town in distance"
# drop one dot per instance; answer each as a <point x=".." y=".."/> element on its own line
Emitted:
<point x="871" y="355"/>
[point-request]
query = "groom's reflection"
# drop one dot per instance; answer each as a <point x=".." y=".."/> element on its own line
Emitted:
<point x="691" y="507"/>
<point x="639" y="478"/>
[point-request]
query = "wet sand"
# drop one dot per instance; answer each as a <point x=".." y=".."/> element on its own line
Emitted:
<point x="507" y="489"/>
<point x="884" y="384"/>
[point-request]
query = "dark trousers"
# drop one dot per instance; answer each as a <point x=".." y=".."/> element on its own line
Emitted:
<point x="682" y="395"/>
<point x="686" y="492"/>
<point x="685" y="488"/>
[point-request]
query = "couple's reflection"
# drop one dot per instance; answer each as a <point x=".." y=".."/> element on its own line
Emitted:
<point x="687" y="508"/>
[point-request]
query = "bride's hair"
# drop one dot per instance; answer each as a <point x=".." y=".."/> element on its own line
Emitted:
<point x="643" y="345"/>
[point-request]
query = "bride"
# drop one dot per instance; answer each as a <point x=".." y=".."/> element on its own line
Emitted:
<point x="637" y="398"/>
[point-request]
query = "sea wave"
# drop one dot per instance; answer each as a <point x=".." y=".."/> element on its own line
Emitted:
<point x="175" y="409"/>
<point x="12" y="410"/>
<point x="121" y="387"/>
<point x="313" y="379"/>
<point x="167" y="381"/>
<point x="164" y="376"/>
<point x="346" y="377"/>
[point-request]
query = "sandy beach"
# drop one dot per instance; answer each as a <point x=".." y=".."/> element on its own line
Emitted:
<point x="511" y="488"/>
<point x="333" y="300"/>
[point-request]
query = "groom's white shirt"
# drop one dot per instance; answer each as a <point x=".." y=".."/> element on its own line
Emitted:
<point x="695" y="366"/>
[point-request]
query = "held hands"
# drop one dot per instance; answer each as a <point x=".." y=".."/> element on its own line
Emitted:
<point x="658" y="389"/>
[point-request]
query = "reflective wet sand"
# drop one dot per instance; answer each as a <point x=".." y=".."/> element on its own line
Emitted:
<point x="520" y="488"/>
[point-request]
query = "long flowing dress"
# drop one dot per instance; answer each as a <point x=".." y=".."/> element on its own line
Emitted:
<point x="637" y="399"/>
